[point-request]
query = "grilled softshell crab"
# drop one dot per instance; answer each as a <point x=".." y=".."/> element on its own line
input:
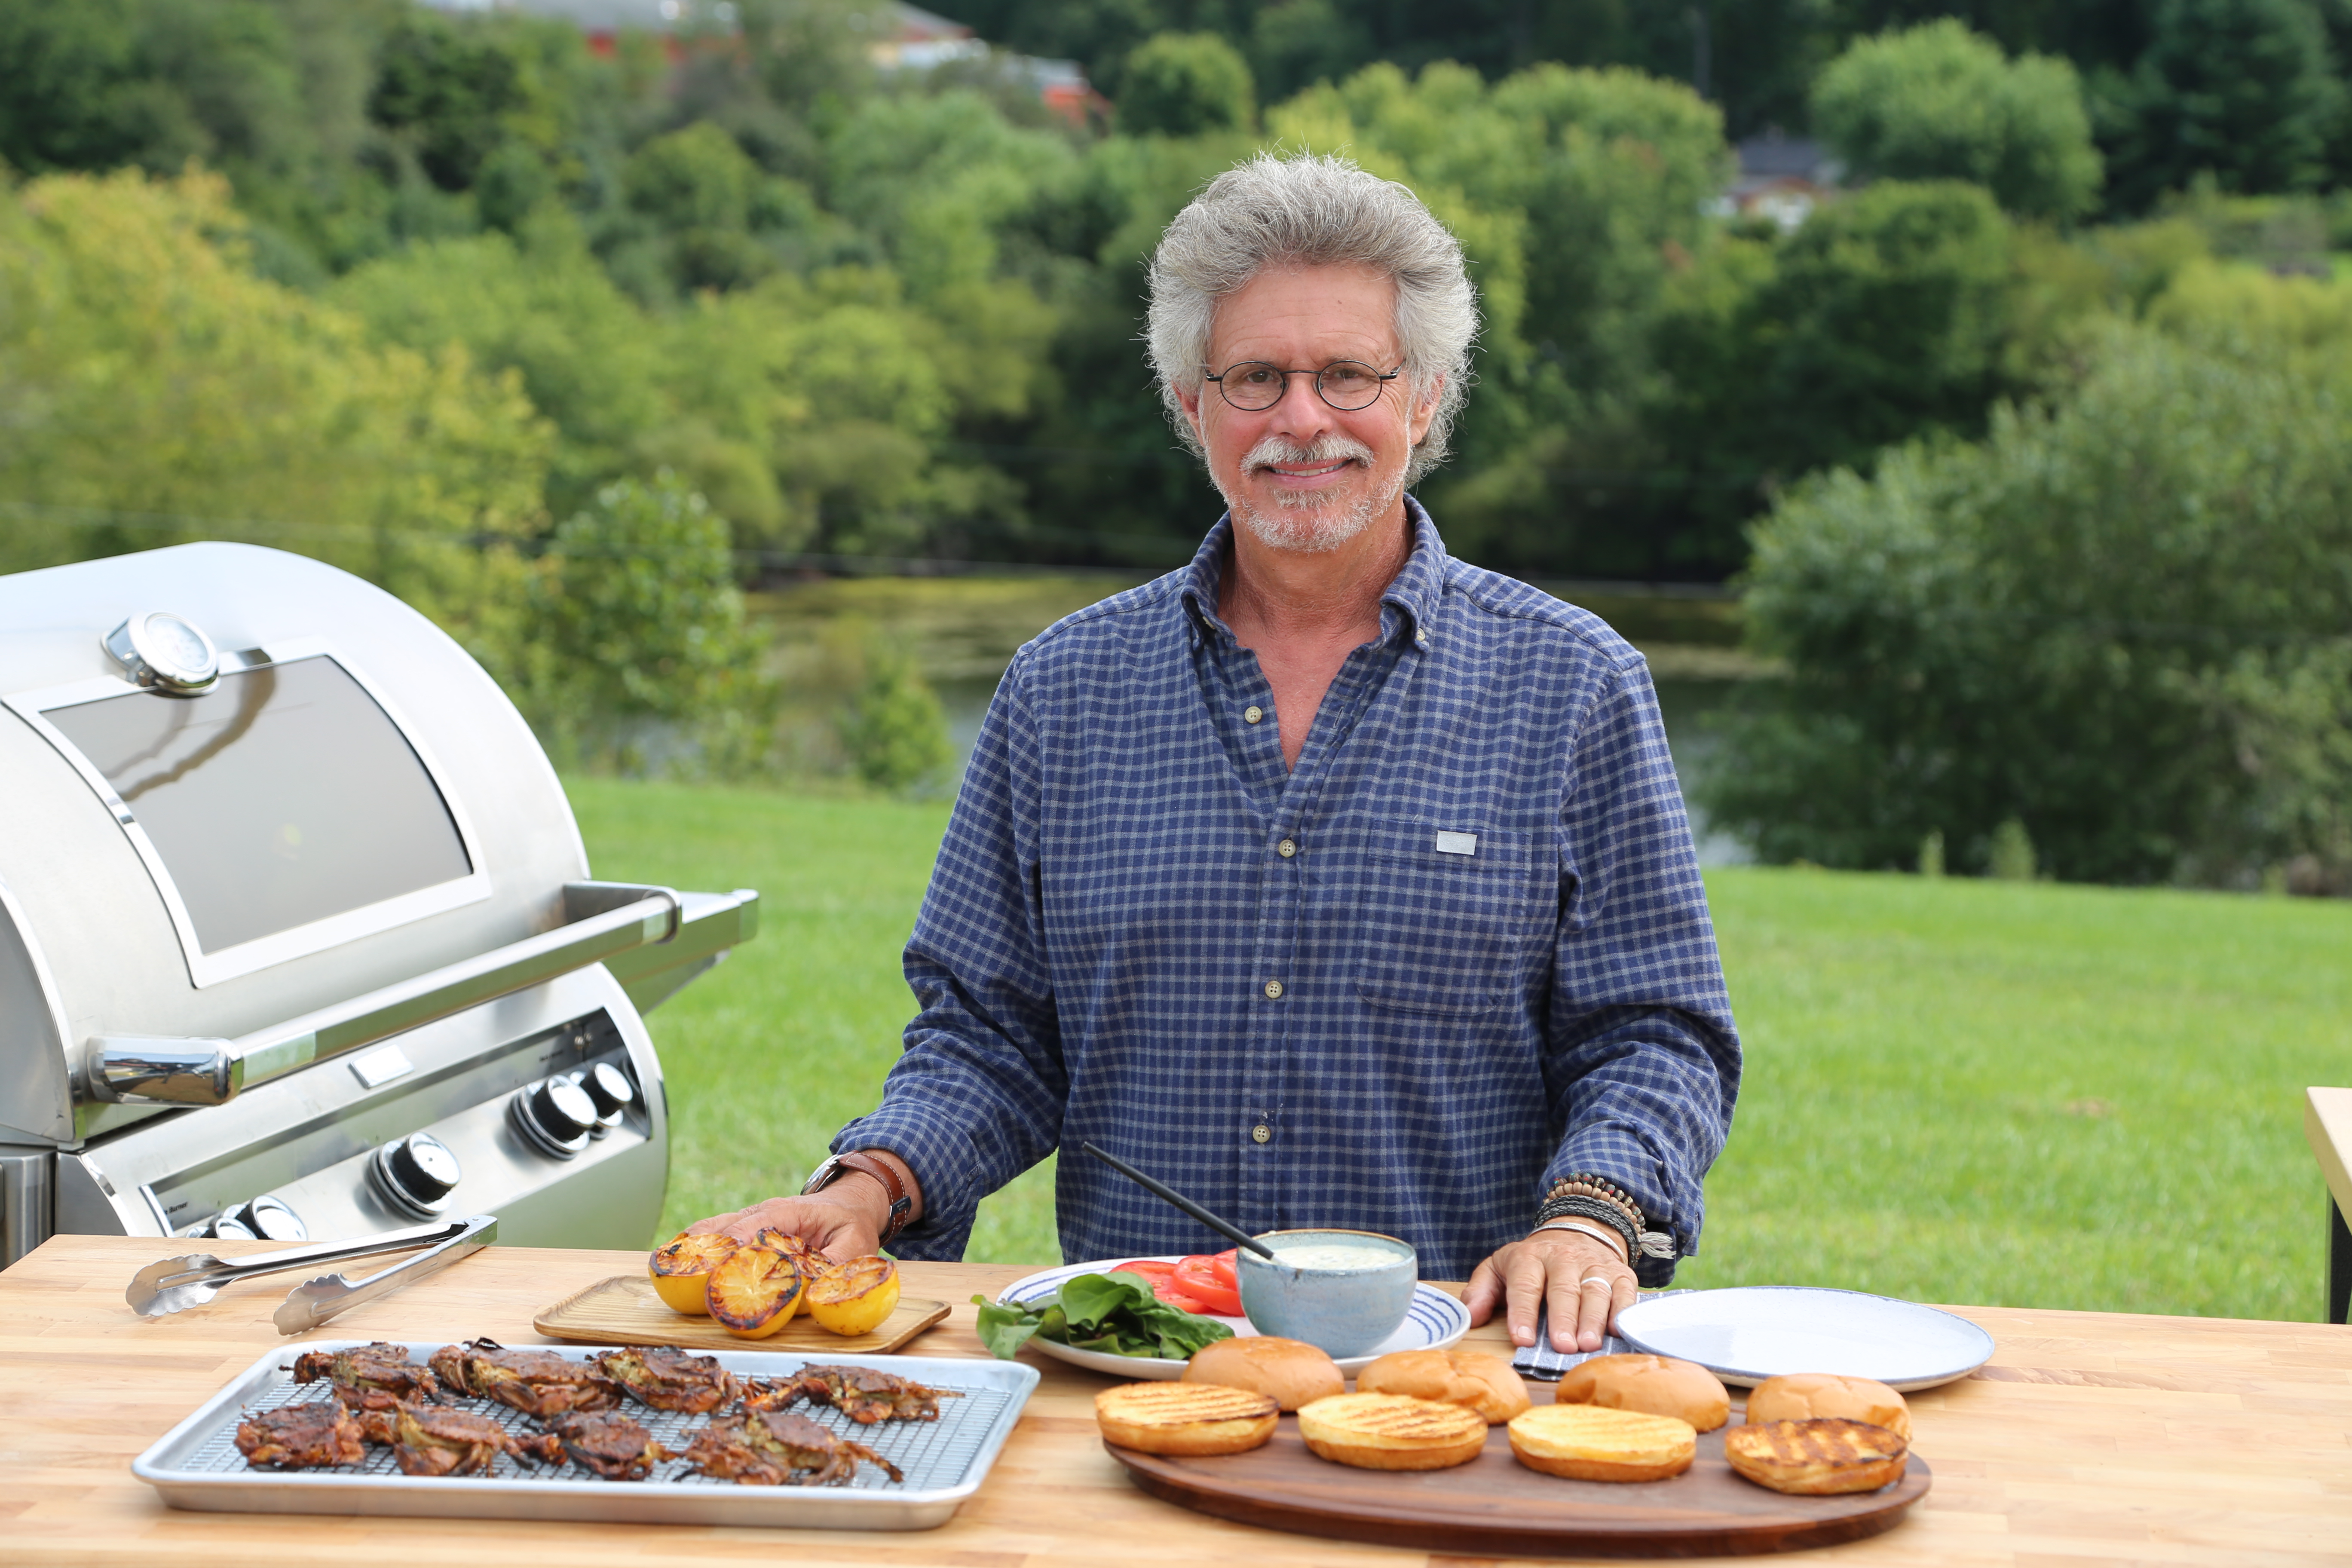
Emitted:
<point x="667" y="1378"/>
<point x="308" y="1437"/>
<point x="616" y="1446"/>
<point x="378" y="1376"/>
<point x="440" y="1441"/>
<point x="863" y="1393"/>
<point x="777" y="1448"/>
<point x="537" y="1383"/>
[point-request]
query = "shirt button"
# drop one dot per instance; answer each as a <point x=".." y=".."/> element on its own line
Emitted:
<point x="1261" y="1134"/>
<point x="1287" y="848"/>
<point x="1274" y="990"/>
<point x="1252" y="713"/>
<point x="1422" y="638"/>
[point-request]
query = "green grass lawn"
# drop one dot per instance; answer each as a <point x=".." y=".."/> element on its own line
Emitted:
<point x="1956" y="1090"/>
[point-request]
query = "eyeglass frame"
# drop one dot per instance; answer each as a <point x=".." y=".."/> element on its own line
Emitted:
<point x="1380" y="379"/>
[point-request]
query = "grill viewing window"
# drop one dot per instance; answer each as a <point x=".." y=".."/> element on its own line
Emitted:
<point x="283" y="797"/>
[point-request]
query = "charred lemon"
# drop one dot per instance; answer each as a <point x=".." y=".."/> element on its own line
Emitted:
<point x="754" y="1291"/>
<point x="805" y="1254"/>
<point x="853" y="1298"/>
<point x="680" y="1269"/>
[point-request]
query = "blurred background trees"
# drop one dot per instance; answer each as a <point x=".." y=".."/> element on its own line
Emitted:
<point x="479" y="304"/>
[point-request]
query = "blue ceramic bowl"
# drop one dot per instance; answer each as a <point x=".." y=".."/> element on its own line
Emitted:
<point x="1340" y="1311"/>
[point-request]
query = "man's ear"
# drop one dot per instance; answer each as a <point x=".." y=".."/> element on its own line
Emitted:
<point x="1190" y="397"/>
<point x="1424" y="408"/>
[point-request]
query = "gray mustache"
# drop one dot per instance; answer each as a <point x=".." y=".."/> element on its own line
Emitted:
<point x="1325" y="449"/>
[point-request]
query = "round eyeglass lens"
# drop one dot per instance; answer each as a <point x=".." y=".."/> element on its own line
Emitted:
<point x="1347" y="383"/>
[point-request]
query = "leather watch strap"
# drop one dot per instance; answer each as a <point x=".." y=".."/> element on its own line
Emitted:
<point x="901" y="1203"/>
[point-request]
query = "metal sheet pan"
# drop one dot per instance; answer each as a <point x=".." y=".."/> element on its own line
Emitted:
<point x="197" y="1465"/>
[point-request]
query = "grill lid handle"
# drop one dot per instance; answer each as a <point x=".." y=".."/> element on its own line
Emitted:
<point x="173" y="1071"/>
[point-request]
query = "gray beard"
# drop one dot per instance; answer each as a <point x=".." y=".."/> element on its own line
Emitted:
<point x="1311" y="524"/>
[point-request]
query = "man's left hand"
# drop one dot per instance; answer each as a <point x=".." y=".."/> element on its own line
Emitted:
<point x="1584" y="1280"/>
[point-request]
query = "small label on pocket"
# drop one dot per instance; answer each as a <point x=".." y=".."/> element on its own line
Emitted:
<point x="1457" y="844"/>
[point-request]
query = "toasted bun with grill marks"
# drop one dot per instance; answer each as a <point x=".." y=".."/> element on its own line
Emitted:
<point x="1184" y="1417"/>
<point x="1818" y="1457"/>
<point x="1391" y="1432"/>
<point x="1809" y="1394"/>
<point x="1653" y="1385"/>
<point x="1289" y="1372"/>
<point x="1596" y="1442"/>
<point x="1472" y="1379"/>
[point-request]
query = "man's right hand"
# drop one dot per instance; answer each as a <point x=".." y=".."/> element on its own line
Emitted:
<point x="845" y="1221"/>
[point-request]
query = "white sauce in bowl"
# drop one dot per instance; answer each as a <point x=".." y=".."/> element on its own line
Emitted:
<point x="1334" y="1254"/>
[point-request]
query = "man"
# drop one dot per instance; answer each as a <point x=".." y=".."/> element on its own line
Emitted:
<point x="1330" y="879"/>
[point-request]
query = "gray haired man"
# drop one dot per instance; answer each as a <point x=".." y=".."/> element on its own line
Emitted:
<point x="1338" y="882"/>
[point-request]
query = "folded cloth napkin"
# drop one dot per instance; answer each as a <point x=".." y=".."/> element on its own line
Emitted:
<point x="1545" y="1365"/>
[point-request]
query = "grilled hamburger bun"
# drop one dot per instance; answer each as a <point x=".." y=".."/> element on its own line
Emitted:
<point x="1596" y="1442"/>
<point x="1653" y="1384"/>
<point x="1816" y="1457"/>
<point x="1289" y="1372"/>
<point x="1472" y="1379"/>
<point x="1816" y="1393"/>
<point x="1391" y="1432"/>
<point x="1184" y="1417"/>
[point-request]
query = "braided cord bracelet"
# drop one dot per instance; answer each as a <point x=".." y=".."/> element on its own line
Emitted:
<point x="1597" y="1197"/>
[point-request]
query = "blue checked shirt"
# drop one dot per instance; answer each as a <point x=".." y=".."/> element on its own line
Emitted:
<point x="1460" y="949"/>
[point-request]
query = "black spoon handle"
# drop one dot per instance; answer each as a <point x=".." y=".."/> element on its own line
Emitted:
<point x="1162" y="1190"/>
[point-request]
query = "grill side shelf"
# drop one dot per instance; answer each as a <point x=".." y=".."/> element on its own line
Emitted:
<point x="611" y="920"/>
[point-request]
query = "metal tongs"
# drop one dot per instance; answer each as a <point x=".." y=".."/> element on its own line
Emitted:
<point x="175" y="1284"/>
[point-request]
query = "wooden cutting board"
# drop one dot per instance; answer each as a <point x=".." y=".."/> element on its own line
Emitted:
<point x="1496" y="1505"/>
<point x="623" y="1310"/>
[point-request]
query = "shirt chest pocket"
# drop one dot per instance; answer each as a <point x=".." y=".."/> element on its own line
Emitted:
<point x="1449" y="919"/>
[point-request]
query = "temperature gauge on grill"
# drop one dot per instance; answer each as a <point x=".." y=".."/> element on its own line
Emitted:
<point x="163" y="651"/>
<point x="415" y="1174"/>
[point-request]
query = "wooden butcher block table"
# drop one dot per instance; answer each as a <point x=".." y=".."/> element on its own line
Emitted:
<point x="2091" y="1438"/>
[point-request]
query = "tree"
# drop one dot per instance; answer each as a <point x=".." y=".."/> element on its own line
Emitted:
<point x="2241" y="92"/>
<point x="1185" y="84"/>
<point x="1885" y="317"/>
<point x="1939" y="102"/>
<point x="153" y="390"/>
<point x="2119" y="621"/>
<point x="640" y="652"/>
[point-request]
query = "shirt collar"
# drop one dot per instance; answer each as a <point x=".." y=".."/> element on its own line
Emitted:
<point x="1408" y="605"/>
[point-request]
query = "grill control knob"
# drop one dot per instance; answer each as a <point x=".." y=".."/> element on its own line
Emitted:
<point x="228" y="1227"/>
<point x="555" y="1115"/>
<point x="610" y="1090"/>
<point x="272" y="1218"/>
<point x="416" y="1173"/>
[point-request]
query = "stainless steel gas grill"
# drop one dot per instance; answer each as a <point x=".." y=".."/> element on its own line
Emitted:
<point x="297" y="934"/>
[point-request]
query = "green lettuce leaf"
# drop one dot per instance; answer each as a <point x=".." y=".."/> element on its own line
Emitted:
<point x="1115" y="1313"/>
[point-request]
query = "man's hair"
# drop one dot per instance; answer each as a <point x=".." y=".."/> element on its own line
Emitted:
<point x="1310" y="211"/>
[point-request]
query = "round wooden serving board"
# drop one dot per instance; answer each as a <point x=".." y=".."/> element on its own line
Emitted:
<point x="1496" y="1505"/>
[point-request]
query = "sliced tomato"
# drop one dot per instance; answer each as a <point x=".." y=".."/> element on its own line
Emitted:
<point x="1198" y="1276"/>
<point x="1228" y="1267"/>
<point x="1164" y="1284"/>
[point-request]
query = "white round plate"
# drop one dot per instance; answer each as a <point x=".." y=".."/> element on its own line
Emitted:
<point x="1749" y="1333"/>
<point x="1434" y="1320"/>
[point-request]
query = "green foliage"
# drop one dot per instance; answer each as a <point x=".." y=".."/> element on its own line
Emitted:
<point x="2118" y="621"/>
<point x="2243" y="93"/>
<point x="639" y="652"/>
<point x="1885" y="317"/>
<point x="893" y="727"/>
<point x="1186" y="84"/>
<point x="1940" y="102"/>
<point x="152" y="390"/>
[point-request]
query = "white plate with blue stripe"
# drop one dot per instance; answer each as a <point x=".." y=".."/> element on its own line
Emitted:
<point x="1433" y="1322"/>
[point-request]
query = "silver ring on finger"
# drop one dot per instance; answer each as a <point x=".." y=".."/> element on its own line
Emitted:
<point x="1597" y="1279"/>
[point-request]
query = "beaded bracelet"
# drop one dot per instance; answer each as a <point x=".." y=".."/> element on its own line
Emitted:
<point x="1597" y="1197"/>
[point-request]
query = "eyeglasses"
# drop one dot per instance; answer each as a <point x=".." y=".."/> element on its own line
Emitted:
<point x="1345" y="384"/>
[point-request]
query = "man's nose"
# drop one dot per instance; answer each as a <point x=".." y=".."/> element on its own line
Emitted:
<point x="1302" y="414"/>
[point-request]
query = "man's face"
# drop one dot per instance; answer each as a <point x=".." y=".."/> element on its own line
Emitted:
<point x="1303" y="475"/>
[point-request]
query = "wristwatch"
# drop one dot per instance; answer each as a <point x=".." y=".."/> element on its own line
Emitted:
<point x="901" y="1204"/>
